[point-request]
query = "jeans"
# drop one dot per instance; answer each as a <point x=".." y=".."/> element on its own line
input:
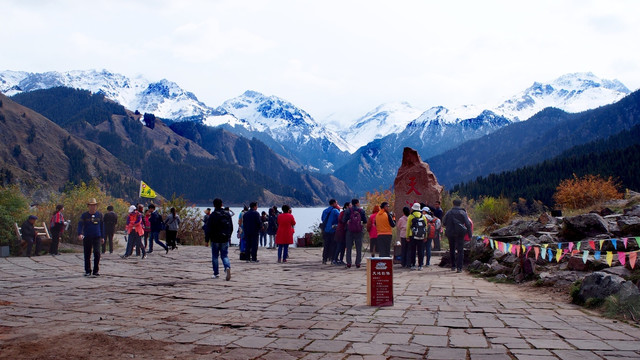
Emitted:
<point x="416" y="245"/>
<point x="456" y="251"/>
<point x="222" y="250"/>
<point x="328" y="246"/>
<point x="384" y="245"/>
<point x="91" y="243"/>
<point x="354" y="238"/>
<point x="427" y="247"/>
<point x="155" y="236"/>
<point x="108" y="239"/>
<point x="283" y="251"/>
<point x="263" y="239"/>
<point x="272" y="239"/>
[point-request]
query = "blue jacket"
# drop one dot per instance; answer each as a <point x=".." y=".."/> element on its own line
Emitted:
<point x="155" y="221"/>
<point x="91" y="226"/>
<point x="331" y="215"/>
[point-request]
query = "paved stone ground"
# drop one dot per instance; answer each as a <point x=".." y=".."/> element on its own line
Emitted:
<point x="301" y="309"/>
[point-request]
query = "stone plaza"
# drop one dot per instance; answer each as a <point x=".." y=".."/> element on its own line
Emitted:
<point x="297" y="310"/>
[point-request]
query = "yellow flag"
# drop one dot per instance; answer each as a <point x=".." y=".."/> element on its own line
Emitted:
<point x="609" y="257"/>
<point x="146" y="191"/>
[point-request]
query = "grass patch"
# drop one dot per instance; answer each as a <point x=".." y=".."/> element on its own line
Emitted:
<point x="629" y="310"/>
<point x="574" y="291"/>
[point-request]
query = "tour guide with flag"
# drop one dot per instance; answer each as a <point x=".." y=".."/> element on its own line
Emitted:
<point x="146" y="191"/>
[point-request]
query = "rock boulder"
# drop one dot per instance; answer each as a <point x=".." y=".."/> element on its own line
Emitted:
<point x="415" y="182"/>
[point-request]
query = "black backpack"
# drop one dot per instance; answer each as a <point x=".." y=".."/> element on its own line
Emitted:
<point x="225" y="223"/>
<point x="419" y="227"/>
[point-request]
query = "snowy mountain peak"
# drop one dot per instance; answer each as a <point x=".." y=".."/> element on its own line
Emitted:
<point x="279" y="118"/>
<point x="385" y="119"/>
<point x="570" y="92"/>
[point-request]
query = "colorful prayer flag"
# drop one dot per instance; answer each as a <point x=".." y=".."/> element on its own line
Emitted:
<point x="585" y="254"/>
<point x="632" y="259"/>
<point x="609" y="257"/>
<point x="621" y="258"/>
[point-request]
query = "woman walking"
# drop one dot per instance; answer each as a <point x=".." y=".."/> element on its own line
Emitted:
<point x="284" y="235"/>
<point x="173" y="224"/>
<point x="134" y="231"/>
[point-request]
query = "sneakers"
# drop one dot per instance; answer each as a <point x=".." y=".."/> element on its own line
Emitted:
<point x="87" y="274"/>
<point x="144" y="257"/>
<point x="459" y="270"/>
<point x="348" y="266"/>
<point x="413" y="268"/>
<point x="419" y="267"/>
<point x="214" y="276"/>
<point x="228" y="271"/>
<point x="96" y="274"/>
<point x="357" y="266"/>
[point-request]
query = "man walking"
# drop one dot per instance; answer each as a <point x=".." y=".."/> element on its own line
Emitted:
<point x="457" y="225"/>
<point x="330" y="220"/>
<point x="354" y="218"/>
<point x="219" y="230"/>
<point x="90" y="232"/>
<point x="110" y="222"/>
<point x="251" y="227"/>
<point x="155" y="223"/>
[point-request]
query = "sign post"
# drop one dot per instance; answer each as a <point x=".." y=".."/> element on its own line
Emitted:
<point x="380" y="281"/>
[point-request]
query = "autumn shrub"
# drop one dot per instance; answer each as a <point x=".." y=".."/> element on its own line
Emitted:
<point x="492" y="212"/>
<point x="14" y="208"/>
<point x="579" y="193"/>
<point x="75" y="199"/>
<point x="378" y="197"/>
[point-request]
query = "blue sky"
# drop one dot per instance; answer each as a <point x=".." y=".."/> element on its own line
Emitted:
<point x="336" y="60"/>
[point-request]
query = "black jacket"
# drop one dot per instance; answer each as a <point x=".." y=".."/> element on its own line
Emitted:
<point x="452" y="221"/>
<point x="27" y="231"/>
<point x="219" y="226"/>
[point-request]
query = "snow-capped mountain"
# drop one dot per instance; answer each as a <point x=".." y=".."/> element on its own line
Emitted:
<point x="386" y="119"/>
<point x="277" y="121"/>
<point x="571" y="92"/>
<point x="439" y="129"/>
<point x="163" y="98"/>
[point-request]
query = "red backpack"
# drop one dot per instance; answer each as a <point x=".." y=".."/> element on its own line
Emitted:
<point x="431" y="232"/>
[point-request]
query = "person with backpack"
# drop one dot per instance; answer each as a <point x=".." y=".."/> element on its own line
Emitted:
<point x="354" y="218"/>
<point x="385" y="223"/>
<point x="433" y="225"/>
<point x="373" y="231"/>
<point x="416" y="235"/>
<point x="457" y="225"/>
<point x="328" y="225"/>
<point x="156" y="225"/>
<point x="219" y="231"/>
<point x="57" y="227"/>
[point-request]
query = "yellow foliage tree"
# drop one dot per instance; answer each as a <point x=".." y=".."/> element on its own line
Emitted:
<point x="378" y="197"/>
<point x="579" y="193"/>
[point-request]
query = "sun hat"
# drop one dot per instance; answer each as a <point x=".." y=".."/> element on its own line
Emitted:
<point x="416" y="206"/>
<point x="132" y="208"/>
<point x="92" y="201"/>
<point x="426" y="209"/>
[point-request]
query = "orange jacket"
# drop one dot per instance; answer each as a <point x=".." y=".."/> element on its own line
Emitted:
<point x="382" y="223"/>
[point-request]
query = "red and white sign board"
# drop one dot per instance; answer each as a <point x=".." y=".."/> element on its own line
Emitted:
<point x="380" y="281"/>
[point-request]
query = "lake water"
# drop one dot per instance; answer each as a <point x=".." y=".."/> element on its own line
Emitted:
<point x="306" y="219"/>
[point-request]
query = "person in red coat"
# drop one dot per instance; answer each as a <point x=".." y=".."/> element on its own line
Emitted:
<point x="284" y="235"/>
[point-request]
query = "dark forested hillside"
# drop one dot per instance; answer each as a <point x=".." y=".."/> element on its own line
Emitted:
<point x="237" y="169"/>
<point x="617" y="156"/>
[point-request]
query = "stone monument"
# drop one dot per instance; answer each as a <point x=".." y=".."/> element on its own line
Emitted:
<point x="415" y="182"/>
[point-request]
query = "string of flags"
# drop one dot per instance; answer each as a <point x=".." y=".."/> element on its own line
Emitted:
<point x="571" y="248"/>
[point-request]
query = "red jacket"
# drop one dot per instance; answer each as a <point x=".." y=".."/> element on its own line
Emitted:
<point x="285" y="229"/>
